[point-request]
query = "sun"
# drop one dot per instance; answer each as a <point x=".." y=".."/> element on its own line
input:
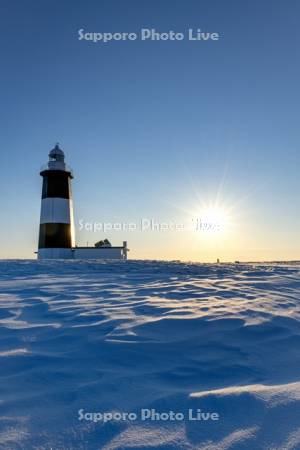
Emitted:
<point x="213" y="219"/>
<point x="209" y="219"/>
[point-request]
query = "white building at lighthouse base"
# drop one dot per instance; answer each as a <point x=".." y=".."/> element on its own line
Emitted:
<point x="84" y="252"/>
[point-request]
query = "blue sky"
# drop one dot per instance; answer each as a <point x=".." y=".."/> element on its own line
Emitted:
<point x="155" y="129"/>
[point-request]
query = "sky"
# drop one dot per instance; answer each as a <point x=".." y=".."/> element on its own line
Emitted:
<point x="173" y="132"/>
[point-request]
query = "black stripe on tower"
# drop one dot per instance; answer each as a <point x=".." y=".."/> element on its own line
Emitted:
<point x="55" y="235"/>
<point x="56" y="183"/>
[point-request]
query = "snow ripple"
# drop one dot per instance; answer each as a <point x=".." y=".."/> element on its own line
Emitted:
<point x="121" y="336"/>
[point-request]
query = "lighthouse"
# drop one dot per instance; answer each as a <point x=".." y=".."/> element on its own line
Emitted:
<point x="56" y="235"/>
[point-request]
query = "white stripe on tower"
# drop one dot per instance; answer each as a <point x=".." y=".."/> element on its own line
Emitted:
<point x="56" y="237"/>
<point x="56" y="210"/>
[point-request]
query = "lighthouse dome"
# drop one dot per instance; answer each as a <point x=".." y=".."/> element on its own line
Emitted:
<point x="57" y="154"/>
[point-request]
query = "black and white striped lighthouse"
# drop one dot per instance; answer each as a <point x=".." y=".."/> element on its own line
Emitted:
<point x="56" y="236"/>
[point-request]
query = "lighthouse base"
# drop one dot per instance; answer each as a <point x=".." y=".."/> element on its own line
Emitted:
<point x="55" y="253"/>
<point x="84" y="252"/>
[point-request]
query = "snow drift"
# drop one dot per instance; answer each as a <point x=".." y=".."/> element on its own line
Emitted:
<point x="123" y="336"/>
